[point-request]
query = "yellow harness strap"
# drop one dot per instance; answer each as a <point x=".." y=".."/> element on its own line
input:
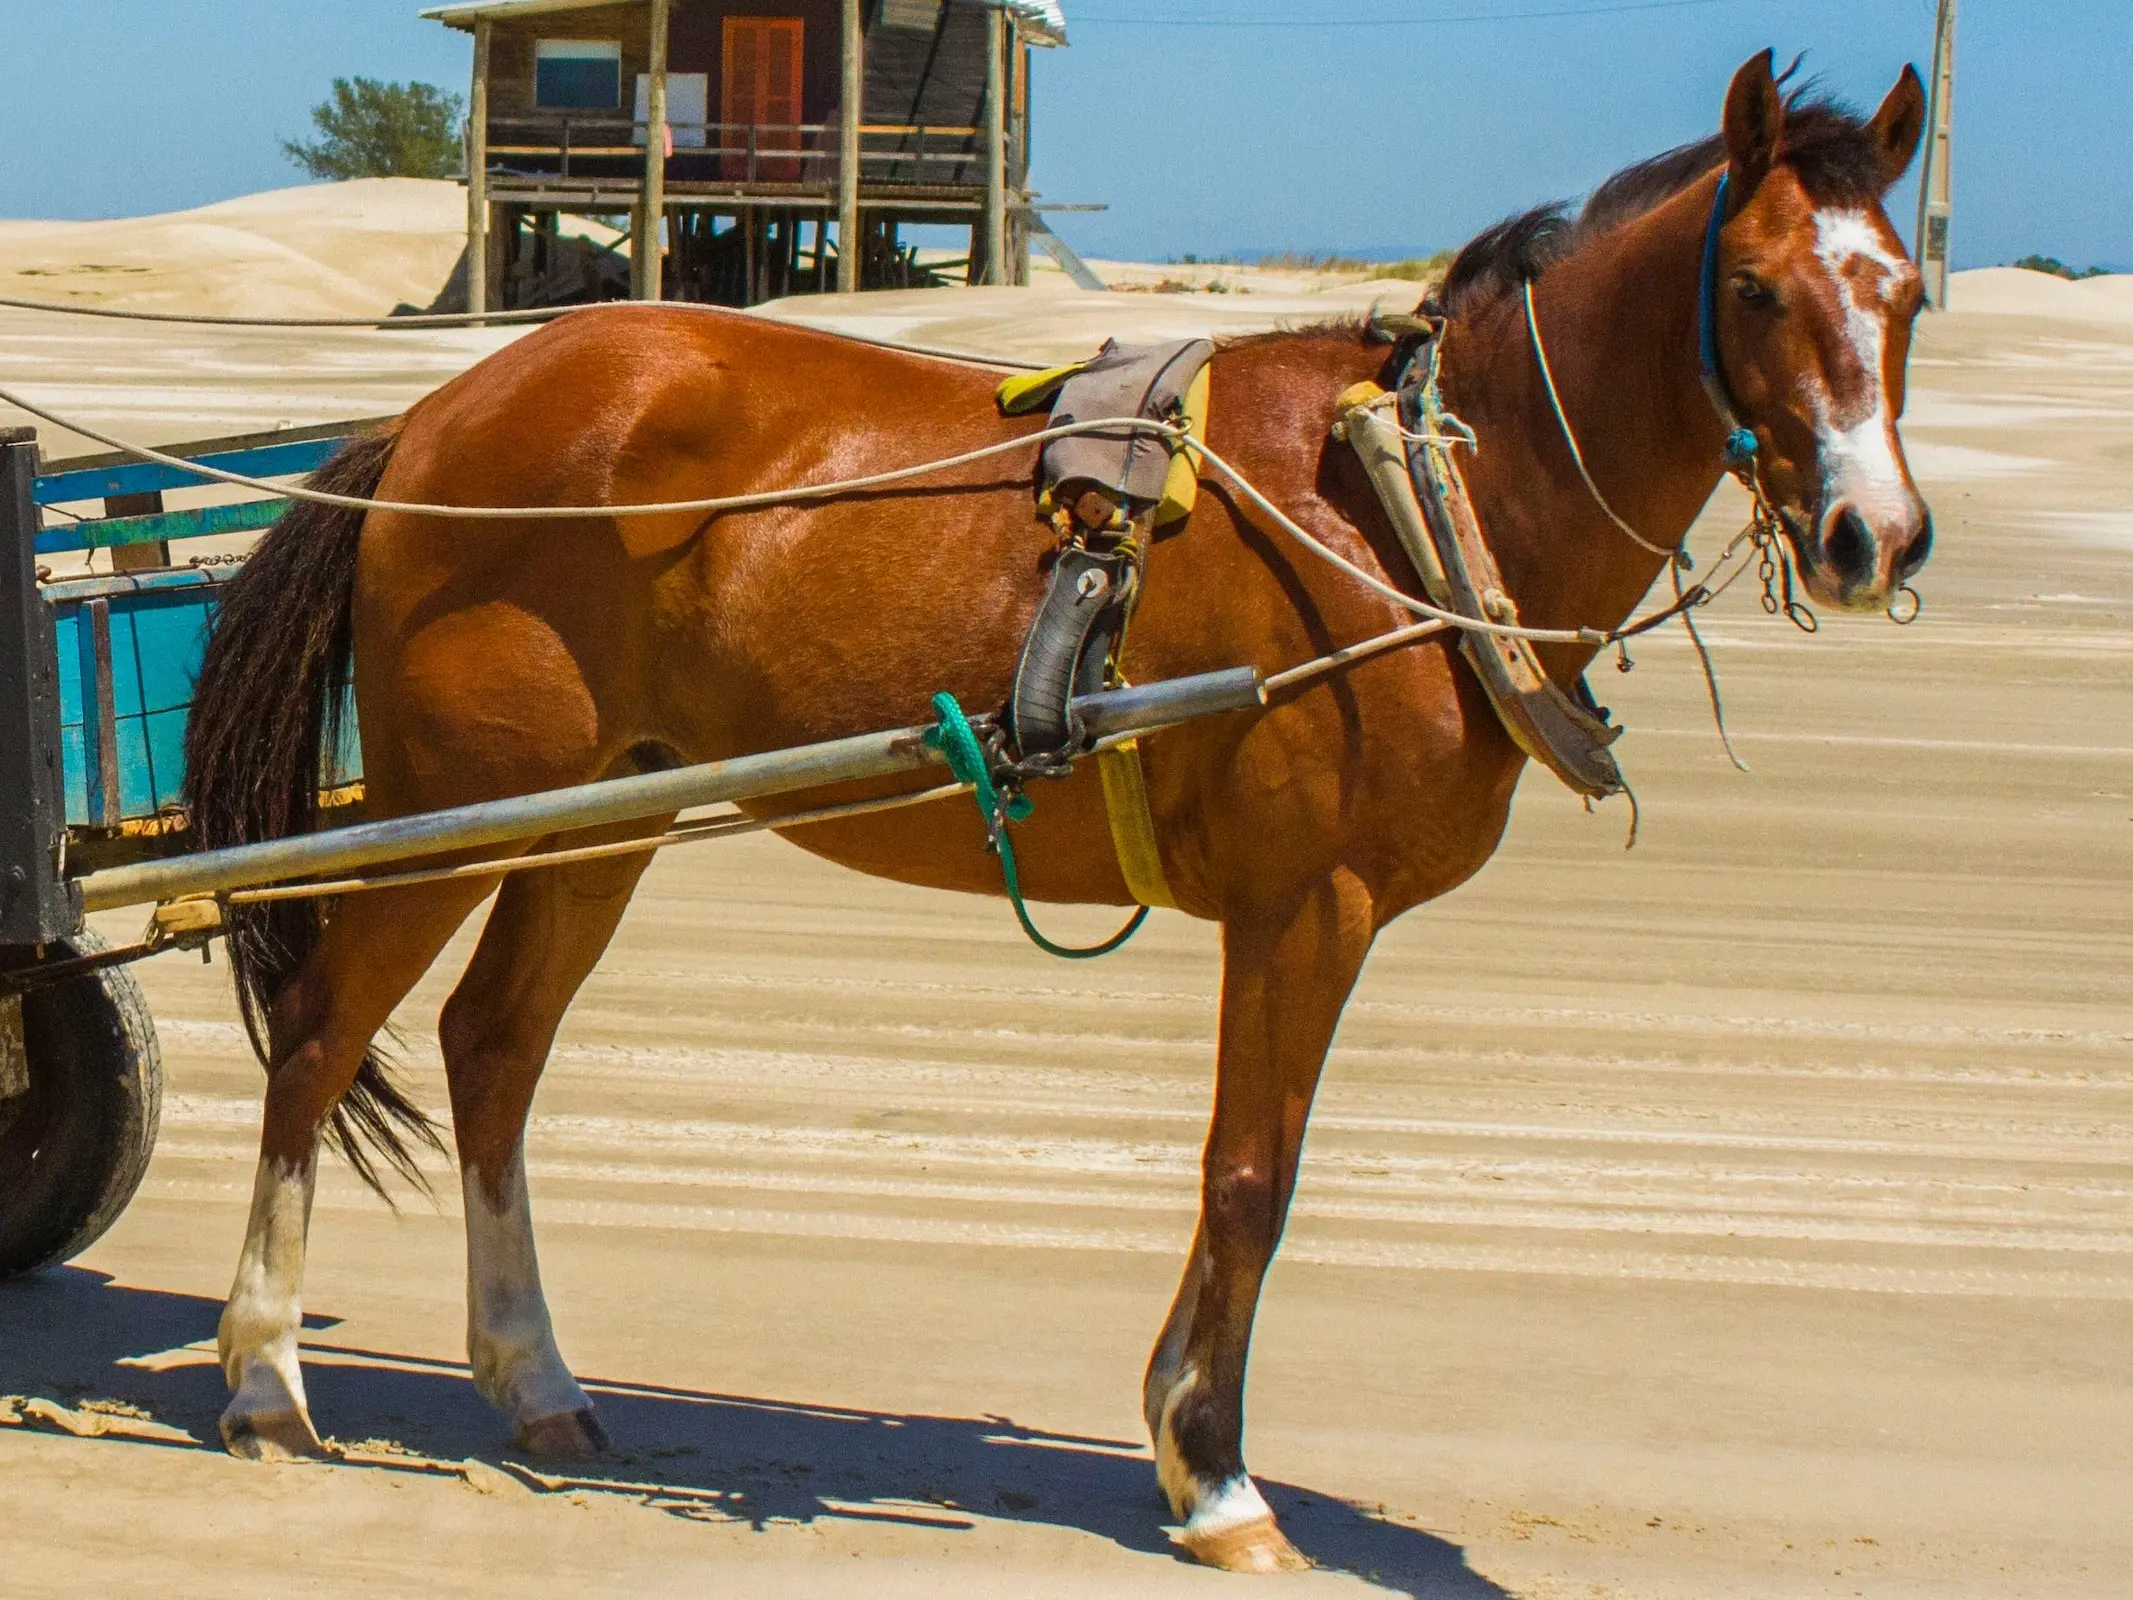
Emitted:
<point x="1032" y="391"/>
<point x="1182" y="487"/>
<point x="1132" y="828"/>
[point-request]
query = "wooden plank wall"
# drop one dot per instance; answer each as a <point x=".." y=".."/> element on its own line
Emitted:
<point x="511" y="53"/>
<point x="936" y="79"/>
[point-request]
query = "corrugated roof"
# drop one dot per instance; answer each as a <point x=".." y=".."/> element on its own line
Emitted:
<point x="468" y="12"/>
<point x="1048" y="21"/>
<point x="1043" y="20"/>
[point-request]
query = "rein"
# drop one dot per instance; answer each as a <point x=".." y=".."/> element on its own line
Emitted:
<point x="1740" y="455"/>
<point x="1555" y="402"/>
<point x="1741" y="446"/>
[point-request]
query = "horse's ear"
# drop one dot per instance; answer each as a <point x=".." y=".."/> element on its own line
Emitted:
<point x="1899" y="123"/>
<point x="1755" y="116"/>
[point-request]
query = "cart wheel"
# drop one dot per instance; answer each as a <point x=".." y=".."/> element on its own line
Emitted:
<point x="75" y="1142"/>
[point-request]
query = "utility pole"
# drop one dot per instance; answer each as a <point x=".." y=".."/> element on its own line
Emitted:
<point x="1932" y="244"/>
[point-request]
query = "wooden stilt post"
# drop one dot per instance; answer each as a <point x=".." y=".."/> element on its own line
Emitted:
<point x="1931" y="245"/>
<point x="995" y="143"/>
<point x="654" y="208"/>
<point x="478" y="174"/>
<point x="749" y="294"/>
<point x="1018" y="165"/>
<point x="851" y="114"/>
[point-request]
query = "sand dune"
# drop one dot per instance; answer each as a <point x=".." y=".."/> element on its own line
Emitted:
<point x="339" y="249"/>
<point x="358" y="249"/>
<point x="2017" y="292"/>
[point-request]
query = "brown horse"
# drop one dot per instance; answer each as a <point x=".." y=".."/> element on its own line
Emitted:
<point x="497" y="658"/>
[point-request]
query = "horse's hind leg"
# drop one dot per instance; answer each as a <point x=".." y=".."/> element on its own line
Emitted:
<point x="548" y="930"/>
<point x="1285" y="978"/>
<point x="370" y="953"/>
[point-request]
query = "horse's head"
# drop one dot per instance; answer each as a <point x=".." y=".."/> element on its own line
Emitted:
<point x="1815" y="297"/>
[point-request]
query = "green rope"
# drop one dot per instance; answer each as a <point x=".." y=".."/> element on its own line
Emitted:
<point x="958" y="743"/>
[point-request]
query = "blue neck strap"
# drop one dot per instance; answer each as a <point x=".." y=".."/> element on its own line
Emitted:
<point x="1740" y="440"/>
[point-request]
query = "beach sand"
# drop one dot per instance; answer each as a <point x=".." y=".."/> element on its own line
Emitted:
<point x="1747" y="1216"/>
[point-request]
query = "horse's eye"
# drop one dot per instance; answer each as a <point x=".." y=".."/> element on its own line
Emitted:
<point x="1753" y="291"/>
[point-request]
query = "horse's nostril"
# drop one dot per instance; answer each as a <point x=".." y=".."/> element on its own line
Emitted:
<point x="1849" y="545"/>
<point x="1915" y="553"/>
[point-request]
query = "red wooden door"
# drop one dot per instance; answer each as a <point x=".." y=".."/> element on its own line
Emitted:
<point x="760" y="92"/>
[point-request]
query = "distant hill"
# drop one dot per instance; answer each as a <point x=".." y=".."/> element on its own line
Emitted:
<point x="325" y="250"/>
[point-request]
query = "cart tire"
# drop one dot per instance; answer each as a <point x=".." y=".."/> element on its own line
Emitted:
<point x="75" y="1145"/>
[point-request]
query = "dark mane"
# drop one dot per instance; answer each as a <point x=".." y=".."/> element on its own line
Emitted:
<point x="1827" y="146"/>
<point x="1359" y="327"/>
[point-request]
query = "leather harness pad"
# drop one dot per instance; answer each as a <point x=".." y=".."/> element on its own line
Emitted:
<point x="1104" y="493"/>
<point x="1070" y="647"/>
<point x="1546" y="723"/>
<point x="1132" y="469"/>
<point x="1101" y="489"/>
<point x="1426" y="502"/>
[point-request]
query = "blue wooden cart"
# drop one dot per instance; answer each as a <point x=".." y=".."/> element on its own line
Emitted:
<point x="96" y="675"/>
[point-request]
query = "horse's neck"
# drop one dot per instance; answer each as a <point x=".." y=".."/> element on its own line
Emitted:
<point x="1619" y="320"/>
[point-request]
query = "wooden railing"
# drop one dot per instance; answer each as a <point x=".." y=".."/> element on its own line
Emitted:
<point x="744" y="152"/>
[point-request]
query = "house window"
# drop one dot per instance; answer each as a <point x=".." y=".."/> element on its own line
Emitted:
<point x="688" y="108"/>
<point x="577" y="74"/>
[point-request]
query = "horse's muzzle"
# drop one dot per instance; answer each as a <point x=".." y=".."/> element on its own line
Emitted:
<point x="1859" y="556"/>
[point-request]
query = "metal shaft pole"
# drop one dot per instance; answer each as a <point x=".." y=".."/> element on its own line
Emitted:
<point x="616" y="800"/>
<point x="1933" y="185"/>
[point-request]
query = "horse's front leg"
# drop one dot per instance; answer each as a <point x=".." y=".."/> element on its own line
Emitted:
<point x="1286" y="975"/>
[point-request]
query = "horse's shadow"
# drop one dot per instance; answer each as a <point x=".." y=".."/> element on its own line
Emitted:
<point x="72" y="1335"/>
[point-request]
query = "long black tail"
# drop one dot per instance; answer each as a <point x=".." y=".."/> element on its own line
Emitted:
<point x="265" y="722"/>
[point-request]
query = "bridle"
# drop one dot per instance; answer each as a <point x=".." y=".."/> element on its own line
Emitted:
<point x="1741" y="454"/>
<point x="1741" y="446"/>
<point x="1741" y="449"/>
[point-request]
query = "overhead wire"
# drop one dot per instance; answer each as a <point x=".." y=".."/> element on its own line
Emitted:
<point x="1611" y="8"/>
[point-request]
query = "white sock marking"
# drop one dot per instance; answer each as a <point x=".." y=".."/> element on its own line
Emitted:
<point x="1201" y="1506"/>
<point x="258" y="1332"/>
<point x="510" y="1342"/>
<point x="1227" y="1505"/>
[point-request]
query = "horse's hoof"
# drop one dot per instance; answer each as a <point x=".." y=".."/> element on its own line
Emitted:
<point x="1254" y="1546"/>
<point x="566" y="1436"/>
<point x="272" y="1436"/>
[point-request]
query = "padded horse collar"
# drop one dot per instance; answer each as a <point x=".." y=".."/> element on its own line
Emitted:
<point x="1407" y="456"/>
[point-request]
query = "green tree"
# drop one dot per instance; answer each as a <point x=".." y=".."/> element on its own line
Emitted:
<point x="382" y="130"/>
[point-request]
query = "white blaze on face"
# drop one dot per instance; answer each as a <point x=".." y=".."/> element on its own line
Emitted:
<point x="1862" y="462"/>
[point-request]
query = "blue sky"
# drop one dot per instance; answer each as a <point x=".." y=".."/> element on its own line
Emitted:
<point x="1212" y="126"/>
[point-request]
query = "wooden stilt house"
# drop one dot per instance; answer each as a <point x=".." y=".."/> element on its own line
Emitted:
<point x="757" y="147"/>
